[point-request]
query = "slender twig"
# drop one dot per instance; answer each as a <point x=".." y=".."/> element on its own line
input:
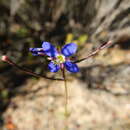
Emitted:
<point x="105" y="45"/>
<point x="66" y="99"/>
<point x="9" y="61"/>
<point x="66" y="92"/>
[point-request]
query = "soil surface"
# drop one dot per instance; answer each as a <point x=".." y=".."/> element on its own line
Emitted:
<point x="98" y="98"/>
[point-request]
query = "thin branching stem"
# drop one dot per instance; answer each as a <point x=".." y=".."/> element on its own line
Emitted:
<point x="9" y="61"/>
<point x="105" y="45"/>
<point x="66" y="99"/>
<point x="66" y="92"/>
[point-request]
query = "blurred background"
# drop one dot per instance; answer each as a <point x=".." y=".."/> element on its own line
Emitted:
<point x="98" y="94"/>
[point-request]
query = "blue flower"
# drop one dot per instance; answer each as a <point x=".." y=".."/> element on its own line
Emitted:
<point x="37" y="51"/>
<point x="59" y="60"/>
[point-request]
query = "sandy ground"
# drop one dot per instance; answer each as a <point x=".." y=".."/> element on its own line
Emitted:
<point x="98" y="100"/>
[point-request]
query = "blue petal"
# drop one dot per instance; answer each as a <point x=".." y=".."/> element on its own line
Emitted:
<point x="49" y="49"/>
<point x="35" y="51"/>
<point x="53" y="67"/>
<point x="69" y="49"/>
<point x="72" y="67"/>
<point x="35" y="54"/>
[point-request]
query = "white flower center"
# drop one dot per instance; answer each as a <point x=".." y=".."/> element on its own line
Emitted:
<point x="59" y="59"/>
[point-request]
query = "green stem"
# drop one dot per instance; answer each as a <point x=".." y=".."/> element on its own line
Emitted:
<point x="66" y="100"/>
<point x="66" y="93"/>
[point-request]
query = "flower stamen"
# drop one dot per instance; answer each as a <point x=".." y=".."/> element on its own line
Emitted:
<point x="59" y="59"/>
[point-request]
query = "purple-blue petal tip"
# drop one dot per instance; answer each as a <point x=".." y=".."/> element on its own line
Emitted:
<point x="49" y="49"/>
<point x="53" y="67"/>
<point x="71" y="67"/>
<point x="36" y="51"/>
<point x="69" y="49"/>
